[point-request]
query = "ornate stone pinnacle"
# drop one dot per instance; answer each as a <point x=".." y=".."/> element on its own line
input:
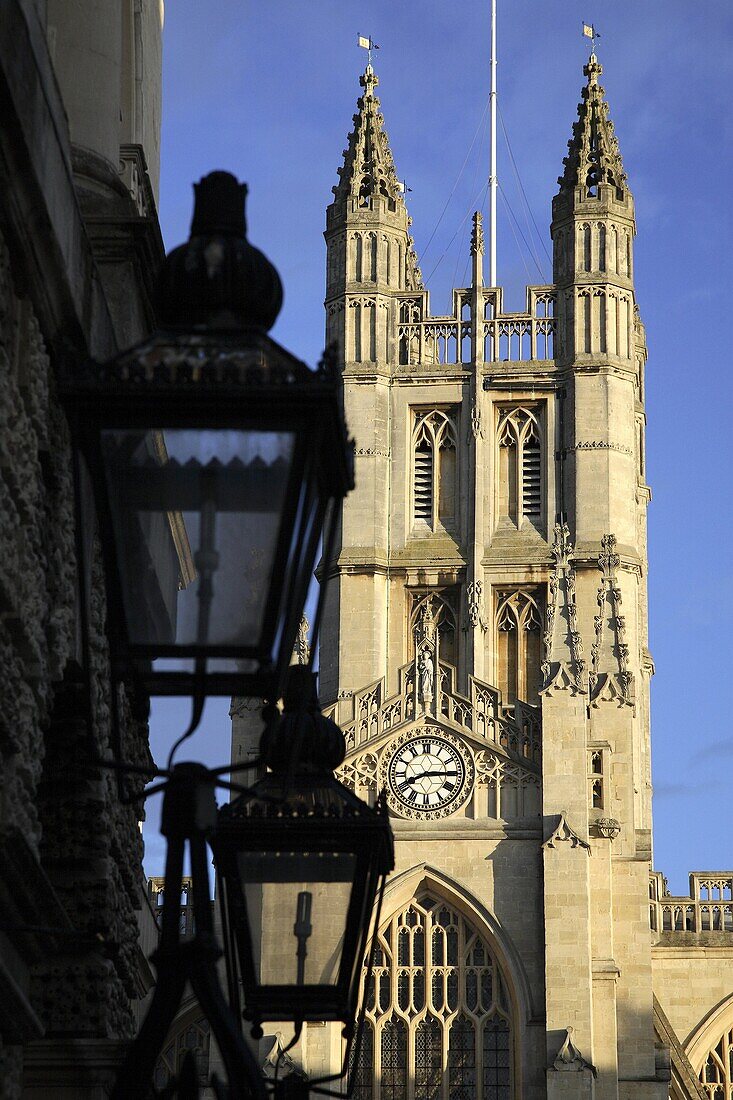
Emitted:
<point x="477" y="234"/>
<point x="368" y="170"/>
<point x="593" y="152"/>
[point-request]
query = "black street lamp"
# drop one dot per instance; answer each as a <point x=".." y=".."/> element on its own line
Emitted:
<point x="218" y="462"/>
<point x="300" y="862"/>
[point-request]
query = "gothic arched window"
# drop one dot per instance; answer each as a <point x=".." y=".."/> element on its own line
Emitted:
<point x="518" y="645"/>
<point x="520" y="465"/>
<point x="435" y="472"/>
<point x="438" y="1014"/>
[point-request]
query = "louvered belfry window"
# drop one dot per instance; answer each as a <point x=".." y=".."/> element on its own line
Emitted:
<point x="520" y="489"/>
<point x="434" y="470"/>
<point x="438" y="1014"/>
<point x="518" y="645"/>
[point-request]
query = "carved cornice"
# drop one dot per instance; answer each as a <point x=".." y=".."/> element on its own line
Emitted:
<point x="598" y="445"/>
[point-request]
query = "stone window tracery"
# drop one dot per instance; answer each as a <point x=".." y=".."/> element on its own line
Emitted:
<point x="435" y="472"/>
<point x="520" y="465"/>
<point x="438" y="1014"/>
<point x="518" y="645"/>
<point x="716" y="1075"/>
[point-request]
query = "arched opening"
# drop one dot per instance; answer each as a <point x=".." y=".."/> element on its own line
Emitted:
<point x="435" y="470"/>
<point x="518" y="645"/>
<point x="520" y="487"/>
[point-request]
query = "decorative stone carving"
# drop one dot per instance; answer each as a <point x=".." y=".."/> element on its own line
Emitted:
<point x="607" y="827"/>
<point x="475" y="604"/>
<point x="610" y="678"/>
<point x="564" y="664"/>
<point x="477" y="234"/>
<point x="563" y="833"/>
<point x="361" y="770"/>
<point x="302" y="648"/>
<point x="425" y="674"/>
<point x="570" y="1059"/>
<point x="279" y="1061"/>
<point x="598" y="445"/>
<point x="477" y="430"/>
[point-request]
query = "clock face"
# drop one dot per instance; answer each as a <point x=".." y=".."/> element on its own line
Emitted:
<point x="427" y="774"/>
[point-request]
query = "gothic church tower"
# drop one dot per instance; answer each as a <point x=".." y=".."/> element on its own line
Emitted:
<point x="484" y="644"/>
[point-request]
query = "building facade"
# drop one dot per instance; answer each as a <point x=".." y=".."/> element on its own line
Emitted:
<point x="80" y="100"/>
<point x="485" y="651"/>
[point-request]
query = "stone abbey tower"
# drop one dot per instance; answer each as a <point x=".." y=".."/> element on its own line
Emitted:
<point x="485" y="651"/>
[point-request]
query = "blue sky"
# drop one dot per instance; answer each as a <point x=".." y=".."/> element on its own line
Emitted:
<point x="267" y="90"/>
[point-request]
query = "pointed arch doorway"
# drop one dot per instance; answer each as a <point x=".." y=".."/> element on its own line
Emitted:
<point x="439" y="1018"/>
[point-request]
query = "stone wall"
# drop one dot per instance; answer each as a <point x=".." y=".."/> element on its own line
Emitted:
<point x="70" y="849"/>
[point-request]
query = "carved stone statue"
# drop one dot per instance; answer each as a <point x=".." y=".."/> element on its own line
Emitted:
<point x="426" y="672"/>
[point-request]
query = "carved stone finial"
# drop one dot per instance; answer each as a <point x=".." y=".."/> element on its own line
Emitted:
<point x="570" y="1059"/>
<point x="477" y="234"/>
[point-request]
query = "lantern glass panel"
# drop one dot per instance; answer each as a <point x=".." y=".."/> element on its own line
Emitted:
<point x="197" y="519"/>
<point x="297" y="904"/>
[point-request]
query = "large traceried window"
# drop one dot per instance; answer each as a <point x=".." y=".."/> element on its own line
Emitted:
<point x="518" y="645"/>
<point x="520" y="465"/>
<point x="438" y="1015"/>
<point x="435" y="474"/>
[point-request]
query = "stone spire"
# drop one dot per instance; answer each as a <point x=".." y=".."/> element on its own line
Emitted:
<point x="368" y="170"/>
<point x="593" y="154"/>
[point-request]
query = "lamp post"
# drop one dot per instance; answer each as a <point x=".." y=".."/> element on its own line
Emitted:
<point x="218" y="462"/>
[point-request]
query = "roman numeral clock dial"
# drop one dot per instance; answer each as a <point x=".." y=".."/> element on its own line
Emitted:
<point x="427" y="776"/>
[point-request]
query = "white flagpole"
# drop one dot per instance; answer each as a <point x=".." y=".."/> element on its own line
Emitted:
<point x="492" y="172"/>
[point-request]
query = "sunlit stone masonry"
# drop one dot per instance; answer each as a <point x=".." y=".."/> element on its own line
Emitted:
<point x="485" y="651"/>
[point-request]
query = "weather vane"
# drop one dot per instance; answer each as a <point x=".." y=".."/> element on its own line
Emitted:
<point x="589" y="31"/>
<point x="367" y="44"/>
